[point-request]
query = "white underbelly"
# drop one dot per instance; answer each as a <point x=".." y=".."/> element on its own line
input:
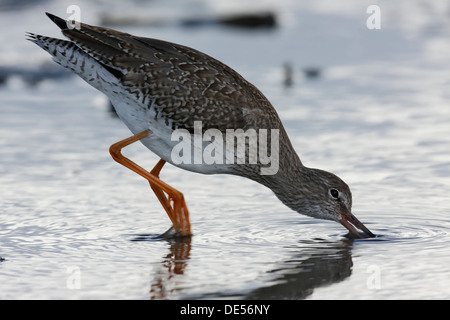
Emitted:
<point x="190" y="153"/>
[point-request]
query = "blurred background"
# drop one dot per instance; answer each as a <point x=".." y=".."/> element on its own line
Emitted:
<point x="371" y="105"/>
<point x="248" y="35"/>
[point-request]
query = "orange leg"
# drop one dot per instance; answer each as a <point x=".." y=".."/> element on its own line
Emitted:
<point x="173" y="203"/>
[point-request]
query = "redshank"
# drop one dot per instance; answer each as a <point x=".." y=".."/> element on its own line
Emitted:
<point x="159" y="88"/>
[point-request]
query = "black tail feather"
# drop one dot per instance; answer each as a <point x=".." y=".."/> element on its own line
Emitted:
<point x="61" y="23"/>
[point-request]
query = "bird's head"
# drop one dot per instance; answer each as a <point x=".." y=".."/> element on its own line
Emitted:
<point x="325" y="196"/>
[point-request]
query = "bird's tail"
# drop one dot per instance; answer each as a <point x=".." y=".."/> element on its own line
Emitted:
<point x="62" y="51"/>
<point x="70" y="56"/>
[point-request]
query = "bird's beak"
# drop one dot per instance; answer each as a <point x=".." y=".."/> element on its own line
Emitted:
<point x="349" y="221"/>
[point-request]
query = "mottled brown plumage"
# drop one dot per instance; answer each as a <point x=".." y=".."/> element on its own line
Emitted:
<point x="184" y="84"/>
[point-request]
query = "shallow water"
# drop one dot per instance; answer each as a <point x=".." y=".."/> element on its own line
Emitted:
<point x="76" y="225"/>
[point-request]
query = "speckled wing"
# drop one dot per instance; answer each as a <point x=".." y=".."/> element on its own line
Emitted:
<point x="182" y="84"/>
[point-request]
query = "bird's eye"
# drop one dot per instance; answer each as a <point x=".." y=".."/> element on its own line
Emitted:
<point x="334" y="193"/>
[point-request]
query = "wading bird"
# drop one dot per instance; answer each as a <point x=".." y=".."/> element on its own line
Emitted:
<point x="158" y="87"/>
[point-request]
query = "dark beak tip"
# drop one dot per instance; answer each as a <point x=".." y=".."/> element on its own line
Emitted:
<point x="366" y="235"/>
<point x="370" y="234"/>
<point x="366" y="231"/>
<point x="351" y="223"/>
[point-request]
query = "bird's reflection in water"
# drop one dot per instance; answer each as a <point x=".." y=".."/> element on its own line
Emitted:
<point x="313" y="263"/>
<point x="171" y="269"/>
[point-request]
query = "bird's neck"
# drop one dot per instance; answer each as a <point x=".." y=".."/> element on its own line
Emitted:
<point x="290" y="176"/>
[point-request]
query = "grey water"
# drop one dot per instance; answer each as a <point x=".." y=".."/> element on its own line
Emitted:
<point x="76" y="225"/>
